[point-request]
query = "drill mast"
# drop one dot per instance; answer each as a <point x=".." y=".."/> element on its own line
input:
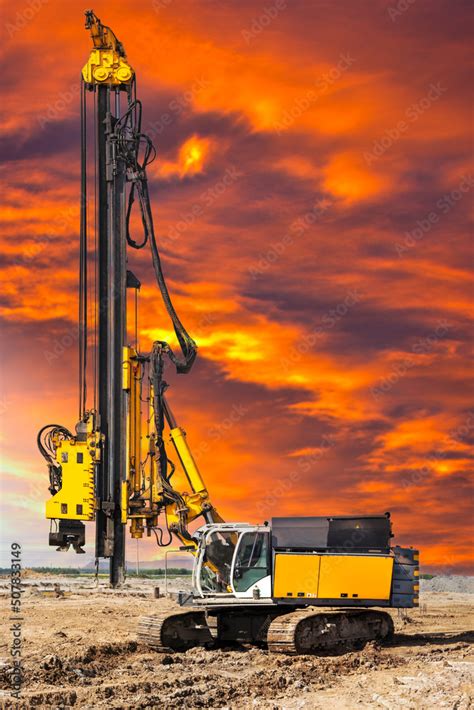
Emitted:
<point x="115" y="469"/>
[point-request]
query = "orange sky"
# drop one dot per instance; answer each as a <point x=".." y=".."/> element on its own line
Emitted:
<point x="312" y="195"/>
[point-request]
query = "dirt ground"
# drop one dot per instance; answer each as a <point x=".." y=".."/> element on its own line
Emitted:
<point x="80" y="651"/>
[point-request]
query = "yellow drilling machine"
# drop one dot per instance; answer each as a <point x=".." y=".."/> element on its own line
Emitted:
<point x="294" y="584"/>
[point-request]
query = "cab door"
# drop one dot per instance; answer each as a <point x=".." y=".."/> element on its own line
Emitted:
<point x="212" y="572"/>
<point x="251" y="568"/>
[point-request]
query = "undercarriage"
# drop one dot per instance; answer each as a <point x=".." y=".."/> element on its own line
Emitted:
<point x="302" y="631"/>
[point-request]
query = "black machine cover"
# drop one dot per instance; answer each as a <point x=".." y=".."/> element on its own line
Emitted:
<point x="337" y="533"/>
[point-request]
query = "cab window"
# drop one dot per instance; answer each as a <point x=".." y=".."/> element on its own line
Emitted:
<point x="252" y="562"/>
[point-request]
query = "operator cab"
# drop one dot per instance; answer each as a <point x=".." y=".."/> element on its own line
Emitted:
<point x="234" y="560"/>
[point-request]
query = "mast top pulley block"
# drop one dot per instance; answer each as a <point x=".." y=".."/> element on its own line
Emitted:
<point x="107" y="63"/>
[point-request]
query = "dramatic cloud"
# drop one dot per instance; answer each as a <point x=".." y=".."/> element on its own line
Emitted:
<point x="312" y="196"/>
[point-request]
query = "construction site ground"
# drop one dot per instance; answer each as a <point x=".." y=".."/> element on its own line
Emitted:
<point x="79" y="650"/>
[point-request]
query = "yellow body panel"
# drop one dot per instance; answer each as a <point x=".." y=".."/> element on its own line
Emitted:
<point x="296" y="575"/>
<point x="332" y="576"/>
<point x="355" y="576"/>
<point x="76" y="499"/>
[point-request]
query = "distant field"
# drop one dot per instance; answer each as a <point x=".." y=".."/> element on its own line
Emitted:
<point x="88" y="571"/>
<point x="79" y="571"/>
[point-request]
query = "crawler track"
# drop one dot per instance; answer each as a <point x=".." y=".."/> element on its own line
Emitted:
<point x="174" y="632"/>
<point x="330" y="632"/>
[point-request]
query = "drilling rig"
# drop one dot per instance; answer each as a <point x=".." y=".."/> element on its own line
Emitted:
<point x="258" y="584"/>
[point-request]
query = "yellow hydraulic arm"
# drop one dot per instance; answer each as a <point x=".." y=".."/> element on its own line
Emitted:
<point x="197" y="502"/>
<point x="146" y="493"/>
